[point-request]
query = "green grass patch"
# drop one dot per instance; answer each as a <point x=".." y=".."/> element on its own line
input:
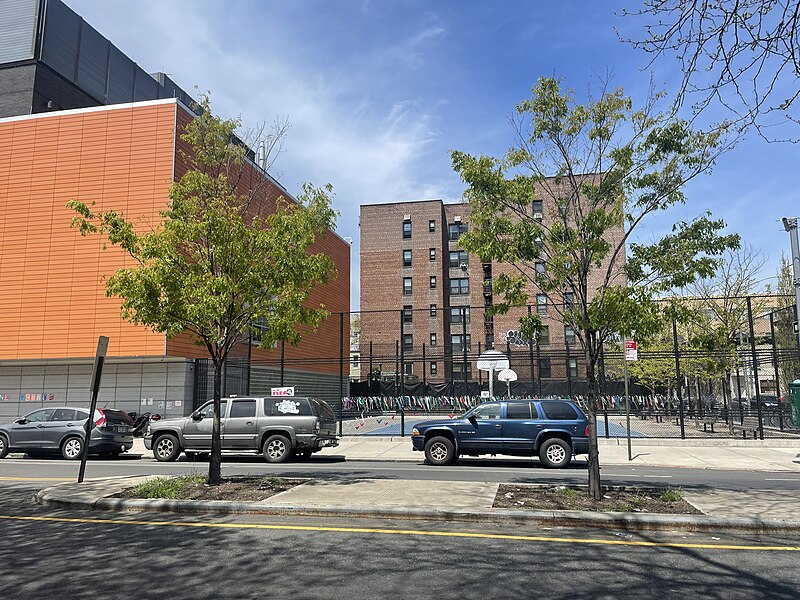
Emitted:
<point x="273" y="481"/>
<point x="568" y="492"/>
<point x="167" y="488"/>
<point x="670" y="495"/>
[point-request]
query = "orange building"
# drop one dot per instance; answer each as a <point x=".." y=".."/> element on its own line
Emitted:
<point x="52" y="296"/>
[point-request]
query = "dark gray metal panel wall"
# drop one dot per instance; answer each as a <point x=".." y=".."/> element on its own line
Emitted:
<point x="17" y="29"/>
<point x="62" y="94"/>
<point x="93" y="62"/>
<point x="16" y="90"/>
<point x="120" y="77"/>
<point x="61" y="38"/>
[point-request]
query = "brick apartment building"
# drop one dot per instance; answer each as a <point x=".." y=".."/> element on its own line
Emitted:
<point x="78" y="119"/>
<point x="418" y="286"/>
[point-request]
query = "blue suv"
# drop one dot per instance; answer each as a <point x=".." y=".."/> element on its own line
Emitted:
<point x="554" y="430"/>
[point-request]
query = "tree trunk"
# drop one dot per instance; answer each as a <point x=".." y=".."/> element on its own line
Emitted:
<point x="215" y="465"/>
<point x="594" y="395"/>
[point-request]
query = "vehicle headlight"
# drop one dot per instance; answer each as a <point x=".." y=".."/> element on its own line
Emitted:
<point x="415" y="431"/>
<point x="147" y="430"/>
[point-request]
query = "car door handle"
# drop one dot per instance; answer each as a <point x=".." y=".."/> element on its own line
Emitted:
<point x="540" y="427"/>
<point x="249" y="422"/>
<point x="40" y="426"/>
<point x="498" y="425"/>
<point x="69" y="424"/>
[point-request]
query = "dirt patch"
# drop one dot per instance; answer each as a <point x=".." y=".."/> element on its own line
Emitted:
<point x="237" y="489"/>
<point x="565" y="498"/>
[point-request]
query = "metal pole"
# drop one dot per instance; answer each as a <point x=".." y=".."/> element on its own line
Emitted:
<point x="790" y="225"/>
<point x="402" y="358"/>
<point x="99" y="359"/>
<point x="739" y="390"/>
<point x="569" y="376"/>
<point x="341" y="369"/>
<point x="678" y="376"/>
<point x="464" y="344"/>
<point x="539" y="365"/>
<point x="774" y="354"/>
<point x="480" y="373"/>
<point x="424" y="372"/>
<point x="283" y="362"/>
<point x="627" y="407"/>
<point x="530" y="352"/>
<point x="755" y="368"/>
<point x="249" y="359"/>
<point x="369" y="377"/>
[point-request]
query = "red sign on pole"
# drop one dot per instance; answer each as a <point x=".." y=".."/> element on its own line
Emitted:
<point x="630" y="350"/>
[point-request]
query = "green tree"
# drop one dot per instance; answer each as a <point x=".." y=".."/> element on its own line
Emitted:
<point x="219" y="262"/>
<point x="601" y="169"/>
<point x="740" y="55"/>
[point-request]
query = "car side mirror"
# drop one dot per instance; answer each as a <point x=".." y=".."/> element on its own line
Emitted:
<point x="21" y="421"/>
<point x="197" y="416"/>
<point x="473" y="419"/>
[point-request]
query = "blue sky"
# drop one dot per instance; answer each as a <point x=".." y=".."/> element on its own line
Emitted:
<point x="379" y="92"/>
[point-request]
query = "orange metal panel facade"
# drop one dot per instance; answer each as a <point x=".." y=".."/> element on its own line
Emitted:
<point x="52" y="300"/>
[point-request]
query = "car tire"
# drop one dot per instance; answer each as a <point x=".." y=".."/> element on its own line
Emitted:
<point x="166" y="448"/>
<point x="555" y="453"/>
<point x="440" y="451"/>
<point x="3" y="446"/>
<point x="72" y="448"/>
<point x="277" y="448"/>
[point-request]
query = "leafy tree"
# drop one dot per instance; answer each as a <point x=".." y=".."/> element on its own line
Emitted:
<point x="740" y="54"/>
<point x="600" y="169"/>
<point x="785" y="337"/>
<point x="220" y="260"/>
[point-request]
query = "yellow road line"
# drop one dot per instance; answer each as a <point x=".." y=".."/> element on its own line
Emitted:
<point x="37" y="478"/>
<point x="410" y="532"/>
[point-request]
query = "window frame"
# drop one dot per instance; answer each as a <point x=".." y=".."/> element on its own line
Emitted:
<point x="407" y="230"/>
<point x="409" y="290"/>
<point x="407" y="257"/>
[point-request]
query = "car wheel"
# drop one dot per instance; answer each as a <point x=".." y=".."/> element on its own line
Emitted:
<point x="3" y="446"/>
<point x="277" y="448"/>
<point x="555" y="453"/>
<point x="440" y="451"/>
<point x="72" y="448"/>
<point x="166" y="448"/>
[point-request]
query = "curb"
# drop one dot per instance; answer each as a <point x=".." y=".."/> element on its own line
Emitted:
<point x="650" y="522"/>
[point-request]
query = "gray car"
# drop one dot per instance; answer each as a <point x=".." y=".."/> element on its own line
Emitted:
<point x="277" y="426"/>
<point x="62" y="429"/>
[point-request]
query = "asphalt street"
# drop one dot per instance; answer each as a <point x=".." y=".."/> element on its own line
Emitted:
<point x="482" y="469"/>
<point x="80" y="554"/>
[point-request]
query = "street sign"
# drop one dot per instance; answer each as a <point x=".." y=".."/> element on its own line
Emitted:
<point x="283" y="391"/>
<point x="630" y="350"/>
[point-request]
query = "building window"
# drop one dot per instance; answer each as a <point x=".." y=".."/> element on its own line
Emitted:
<point x="434" y="368"/>
<point x="406" y="258"/>
<point x="406" y="286"/>
<point x="455" y="314"/>
<point x="433" y="282"/>
<point x="539" y="243"/>
<point x="569" y="300"/>
<point x="458" y="370"/>
<point x="258" y="329"/>
<point x="573" y="367"/>
<point x="432" y="254"/>
<point x="544" y="368"/>
<point x="406" y="230"/>
<point x="455" y="340"/>
<point x="356" y="361"/>
<point x="456" y="230"/>
<point x="409" y="368"/>
<point x="408" y="313"/>
<point x="541" y="304"/>
<point x="543" y="338"/>
<point x="458" y="258"/>
<point x="432" y="225"/>
<point x="537" y="206"/>
<point x="433" y="340"/>
<point x="459" y="286"/>
<point x="408" y="342"/>
<point x="540" y="270"/>
<point x="569" y="335"/>
<point x="433" y="310"/>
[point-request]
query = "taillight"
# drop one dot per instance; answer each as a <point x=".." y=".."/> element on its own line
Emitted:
<point x="587" y="431"/>
<point x="316" y="426"/>
<point x="101" y="420"/>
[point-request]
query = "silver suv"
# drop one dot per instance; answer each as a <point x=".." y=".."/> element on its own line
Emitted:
<point x="277" y="426"/>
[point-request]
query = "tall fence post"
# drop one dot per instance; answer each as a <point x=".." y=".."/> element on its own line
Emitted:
<point x="464" y="344"/>
<point x="402" y="371"/>
<point x="283" y="361"/>
<point x="424" y="372"/>
<point x="569" y="375"/>
<point x="530" y="351"/>
<point x="678" y="379"/>
<point x="480" y="373"/>
<point x="539" y="365"/>
<point x="369" y="377"/>
<point x="341" y="369"/>
<point x="774" y="355"/>
<point x="755" y="368"/>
